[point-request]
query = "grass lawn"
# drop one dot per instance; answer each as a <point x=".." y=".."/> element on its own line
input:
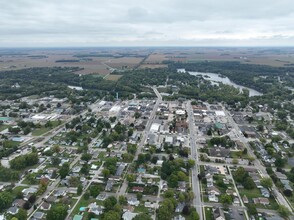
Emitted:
<point x="82" y="203"/>
<point x="101" y="155"/>
<point x="250" y="193"/>
<point x="291" y="199"/>
<point x="18" y="189"/>
<point x="43" y="129"/>
<point x="3" y="127"/>
<point x="239" y="155"/>
<point x="273" y="205"/>
<point x="208" y="213"/>
<point x="141" y="208"/>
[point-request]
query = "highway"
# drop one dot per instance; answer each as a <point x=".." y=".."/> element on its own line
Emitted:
<point x="194" y="155"/>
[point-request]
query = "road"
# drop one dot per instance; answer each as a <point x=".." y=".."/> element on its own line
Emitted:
<point x="50" y="189"/>
<point x="124" y="186"/>
<point x="240" y="199"/>
<point x="257" y="163"/>
<point x="194" y="155"/>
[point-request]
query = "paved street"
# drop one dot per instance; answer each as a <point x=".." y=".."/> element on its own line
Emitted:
<point x="123" y="188"/>
<point x="194" y="155"/>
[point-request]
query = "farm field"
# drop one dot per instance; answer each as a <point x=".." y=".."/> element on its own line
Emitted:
<point x="113" y="77"/>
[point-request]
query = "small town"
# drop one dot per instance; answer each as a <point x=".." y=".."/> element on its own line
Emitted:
<point x="143" y="159"/>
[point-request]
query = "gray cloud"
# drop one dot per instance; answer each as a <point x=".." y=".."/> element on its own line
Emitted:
<point x="154" y="22"/>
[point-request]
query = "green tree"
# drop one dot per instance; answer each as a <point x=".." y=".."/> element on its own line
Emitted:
<point x="280" y="162"/>
<point x="139" y="196"/>
<point x="86" y="195"/>
<point x="252" y="209"/>
<point x="131" y="177"/>
<point x="166" y="210"/>
<point x="284" y="211"/>
<point x="248" y="183"/>
<point x="64" y="170"/>
<point x="226" y="199"/>
<point x="105" y="172"/>
<point x="266" y="182"/>
<point x="6" y="199"/>
<point x="57" y="212"/>
<point x="110" y="202"/>
<point x="22" y="214"/>
<point x="240" y="174"/>
<point x="193" y="215"/>
<point x="112" y="215"/>
<point x="95" y="190"/>
<point x="142" y="216"/>
<point x="79" y="190"/>
<point x="86" y="157"/>
<point x="122" y="200"/>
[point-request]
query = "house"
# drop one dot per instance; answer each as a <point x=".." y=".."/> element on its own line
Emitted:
<point x="287" y="185"/>
<point x="138" y="189"/>
<point x="59" y="193"/>
<point x="129" y="215"/>
<point x="260" y="200"/>
<point x="219" y="152"/>
<point x="281" y="176"/>
<point x="245" y="199"/>
<point x="96" y="209"/>
<point x="45" y="206"/>
<point x="212" y="198"/>
<point x="212" y="169"/>
<point x="164" y="186"/>
<point x="30" y="190"/>
<point x="148" y="205"/>
<point x="101" y="197"/>
<point x="18" y="203"/>
<point x="226" y="181"/>
<point x="133" y="201"/>
<point x="13" y="210"/>
<point x="265" y="192"/>
<point x="230" y="192"/>
<point x="182" y="186"/>
<point x="120" y="169"/>
<point x="236" y="201"/>
<point x="180" y="207"/>
<point x="109" y="185"/>
<point x="218" y="214"/>
<point x="169" y="140"/>
<point x="38" y="215"/>
<point x="51" y="199"/>
<point x="209" y="180"/>
<point x="179" y="217"/>
<point x="213" y="190"/>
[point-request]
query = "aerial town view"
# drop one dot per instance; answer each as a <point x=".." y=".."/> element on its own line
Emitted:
<point x="117" y="125"/>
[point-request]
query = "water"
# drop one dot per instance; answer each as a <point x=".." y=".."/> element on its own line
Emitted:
<point x="215" y="78"/>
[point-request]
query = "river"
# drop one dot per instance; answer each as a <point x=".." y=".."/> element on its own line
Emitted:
<point x="215" y="78"/>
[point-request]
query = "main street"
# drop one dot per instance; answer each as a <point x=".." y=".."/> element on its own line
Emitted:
<point x="123" y="188"/>
<point x="194" y="155"/>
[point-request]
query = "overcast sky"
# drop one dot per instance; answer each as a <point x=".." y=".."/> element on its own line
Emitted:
<point x="28" y="23"/>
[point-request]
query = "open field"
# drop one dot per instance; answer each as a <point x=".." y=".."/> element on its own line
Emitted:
<point x="90" y="60"/>
<point x="124" y="62"/>
<point x="152" y="66"/>
<point x="264" y="56"/>
<point x="103" y="60"/>
<point x="113" y="77"/>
